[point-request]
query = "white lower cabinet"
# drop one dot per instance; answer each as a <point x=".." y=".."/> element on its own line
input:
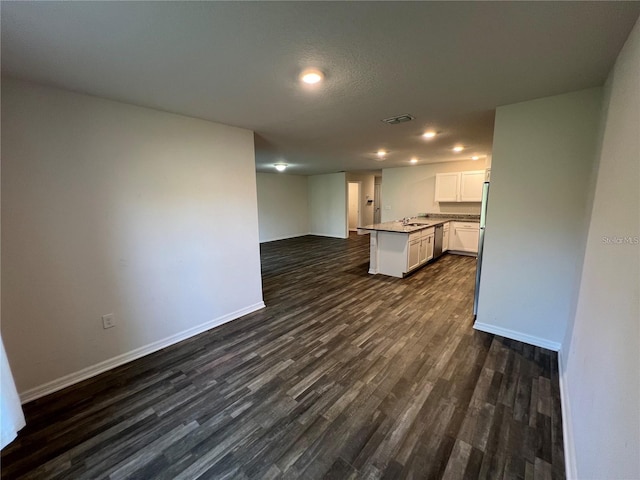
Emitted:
<point x="428" y="242"/>
<point x="423" y="251"/>
<point x="413" y="259"/>
<point x="420" y="248"/>
<point x="445" y="237"/>
<point x="396" y="253"/>
<point x="465" y="237"/>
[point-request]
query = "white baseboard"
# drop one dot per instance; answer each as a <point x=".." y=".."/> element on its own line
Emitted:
<point x="570" y="464"/>
<point x="98" y="368"/>
<point x="284" y="237"/>
<point x="522" y="337"/>
<point x="330" y="236"/>
<point x="460" y="252"/>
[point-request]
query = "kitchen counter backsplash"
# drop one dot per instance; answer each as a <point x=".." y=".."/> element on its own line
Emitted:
<point x="453" y="216"/>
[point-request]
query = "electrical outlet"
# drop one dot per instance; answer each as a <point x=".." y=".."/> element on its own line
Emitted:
<point x="108" y="321"/>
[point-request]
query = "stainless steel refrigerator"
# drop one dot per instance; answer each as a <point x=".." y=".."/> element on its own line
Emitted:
<point x="483" y="220"/>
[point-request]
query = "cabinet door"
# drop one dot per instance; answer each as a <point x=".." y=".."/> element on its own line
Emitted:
<point x="471" y="186"/>
<point x="447" y="185"/>
<point x="466" y="238"/>
<point x="445" y="240"/>
<point x="454" y="239"/>
<point x="423" y="251"/>
<point x="430" y="239"/>
<point x="414" y="254"/>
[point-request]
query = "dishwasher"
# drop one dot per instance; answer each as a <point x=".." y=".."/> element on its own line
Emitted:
<point x="437" y="242"/>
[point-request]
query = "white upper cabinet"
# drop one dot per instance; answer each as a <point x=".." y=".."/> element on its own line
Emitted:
<point x="459" y="186"/>
<point x="471" y="186"/>
<point x="447" y="187"/>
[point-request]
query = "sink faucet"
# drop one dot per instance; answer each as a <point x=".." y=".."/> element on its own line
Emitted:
<point x="406" y="220"/>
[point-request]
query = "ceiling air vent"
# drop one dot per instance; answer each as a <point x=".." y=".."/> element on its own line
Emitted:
<point x="407" y="117"/>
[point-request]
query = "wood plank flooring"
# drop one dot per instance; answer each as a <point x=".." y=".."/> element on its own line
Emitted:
<point x="344" y="375"/>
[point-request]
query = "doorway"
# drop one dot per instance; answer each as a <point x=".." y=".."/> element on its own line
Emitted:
<point x="354" y="206"/>
<point x="376" y="201"/>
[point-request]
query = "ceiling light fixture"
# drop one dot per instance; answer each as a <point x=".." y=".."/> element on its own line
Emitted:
<point x="429" y="134"/>
<point x="280" y="166"/>
<point x="414" y="160"/>
<point x="458" y="148"/>
<point x="381" y="153"/>
<point x="475" y="157"/>
<point x="311" y="76"/>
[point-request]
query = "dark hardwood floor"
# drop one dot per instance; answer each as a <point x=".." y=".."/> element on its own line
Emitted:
<point x="343" y="375"/>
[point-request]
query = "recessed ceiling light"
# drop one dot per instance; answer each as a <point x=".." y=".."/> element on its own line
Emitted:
<point x="414" y="160"/>
<point x="280" y="166"/>
<point x="475" y="157"/>
<point x="381" y="153"/>
<point x="429" y="134"/>
<point x="458" y="148"/>
<point x="311" y="76"/>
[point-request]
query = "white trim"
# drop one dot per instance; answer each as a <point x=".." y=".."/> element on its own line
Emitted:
<point x="284" y="237"/>
<point x="360" y="205"/>
<point x="460" y="252"/>
<point x="329" y="236"/>
<point x="570" y="464"/>
<point x="98" y="368"/>
<point x="522" y="337"/>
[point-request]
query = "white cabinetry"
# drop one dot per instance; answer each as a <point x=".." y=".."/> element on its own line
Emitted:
<point x="459" y="186"/>
<point x="420" y="248"/>
<point x="447" y="187"/>
<point x="471" y="186"/>
<point x="427" y="243"/>
<point x="413" y="259"/>
<point x="445" y="237"/>
<point x="465" y="237"/>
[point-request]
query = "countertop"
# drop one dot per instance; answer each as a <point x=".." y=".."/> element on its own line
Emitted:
<point x="424" y="222"/>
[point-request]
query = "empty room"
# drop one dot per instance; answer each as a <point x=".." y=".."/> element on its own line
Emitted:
<point x="320" y="240"/>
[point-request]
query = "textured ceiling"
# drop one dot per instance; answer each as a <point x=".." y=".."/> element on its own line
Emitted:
<point x="447" y="63"/>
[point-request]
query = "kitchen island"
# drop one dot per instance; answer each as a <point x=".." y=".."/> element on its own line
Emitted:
<point x="398" y="248"/>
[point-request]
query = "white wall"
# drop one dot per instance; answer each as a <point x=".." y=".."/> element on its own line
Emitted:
<point x="543" y="156"/>
<point x="11" y="415"/>
<point x="328" y="205"/>
<point x="601" y="357"/>
<point x="282" y="206"/>
<point x="112" y="208"/>
<point x="407" y="191"/>
<point x="367" y="181"/>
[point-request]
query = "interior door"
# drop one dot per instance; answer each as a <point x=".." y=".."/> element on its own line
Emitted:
<point x="354" y="205"/>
